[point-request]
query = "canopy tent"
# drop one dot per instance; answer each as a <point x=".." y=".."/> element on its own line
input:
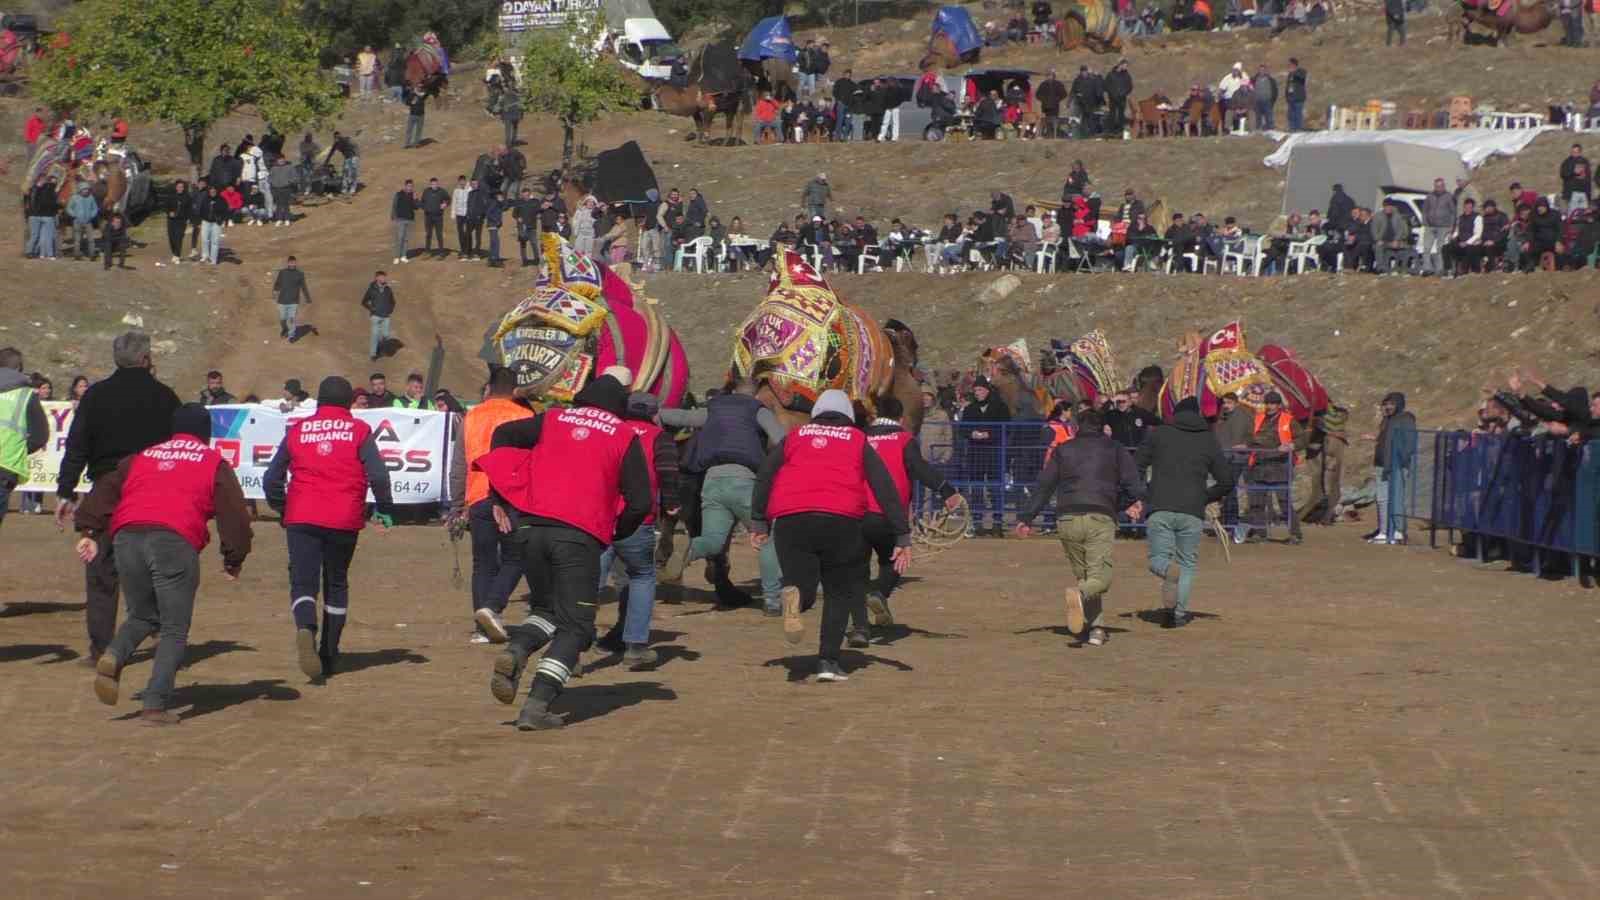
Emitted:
<point x="769" y="39"/>
<point x="623" y="175"/>
<point x="1473" y="145"/>
<point x="956" y="23"/>
<point x="1367" y="170"/>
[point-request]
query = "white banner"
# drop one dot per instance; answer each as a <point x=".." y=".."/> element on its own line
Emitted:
<point x="414" y="443"/>
<point x="45" y="466"/>
<point x="526" y="15"/>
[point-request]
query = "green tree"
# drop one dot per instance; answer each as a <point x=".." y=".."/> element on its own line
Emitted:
<point x="188" y="62"/>
<point x="564" y="76"/>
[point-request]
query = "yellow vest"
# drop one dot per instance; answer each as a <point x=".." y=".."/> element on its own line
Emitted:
<point x="14" y="431"/>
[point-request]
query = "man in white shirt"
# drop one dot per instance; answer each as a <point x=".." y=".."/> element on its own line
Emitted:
<point x="458" y="208"/>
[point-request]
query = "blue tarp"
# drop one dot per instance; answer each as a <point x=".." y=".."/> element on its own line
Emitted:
<point x="771" y="38"/>
<point x="956" y="22"/>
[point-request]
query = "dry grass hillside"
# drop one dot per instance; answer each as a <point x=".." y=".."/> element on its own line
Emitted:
<point x="1435" y="340"/>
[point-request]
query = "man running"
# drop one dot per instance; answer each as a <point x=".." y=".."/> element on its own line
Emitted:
<point x="812" y="490"/>
<point x="1182" y="456"/>
<point x="1085" y="476"/>
<point x="556" y="480"/>
<point x="496" y="569"/>
<point x="902" y="456"/>
<point x="329" y="460"/>
<point x="153" y="507"/>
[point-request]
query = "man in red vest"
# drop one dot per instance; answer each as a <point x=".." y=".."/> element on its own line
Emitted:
<point x="566" y="484"/>
<point x="813" y="488"/>
<point x="495" y="568"/>
<point x="637" y="602"/>
<point x="154" y="507"/>
<point x="902" y="456"/>
<point x="329" y="460"/>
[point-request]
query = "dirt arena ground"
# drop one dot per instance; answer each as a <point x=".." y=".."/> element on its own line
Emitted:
<point x="1343" y="721"/>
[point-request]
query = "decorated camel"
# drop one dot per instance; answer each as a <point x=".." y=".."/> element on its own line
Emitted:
<point x="74" y="158"/>
<point x="1082" y="371"/>
<point x="716" y="85"/>
<point x="1093" y="25"/>
<point x="581" y="319"/>
<point x="1501" y="18"/>
<point x="803" y="339"/>
<point x="427" y="66"/>
<point x="1209" y="367"/>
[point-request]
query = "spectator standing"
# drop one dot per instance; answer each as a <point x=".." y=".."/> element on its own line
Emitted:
<point x="215" y="393"/>
<point x="817" y="195"/>
<point x="525" y="213"/>
<point x="1575" y="180"/>
<point x="35" y="127"/>
<point x="1232" y="83"/>
<point x="253" y="175"/>
<point x="982" y="427"/>
<point x="83" y="210"/>
<point x="378" y="301"/>
<point x="415" y="396"/>
<point x="513" y="166"/>
<point x="511" y="115"/>
<point x="288" y="286"/>
<point x="153" y="508"/>
<point x="179" y="208"/>
<point x="351" y="173"/>
<point x="24" y="428"/>
<point x="1266" y="97"/>
<point x="367" y="71"/>
<point x="766" y="115"/>
<point x="1394" y="450"/>
<point x="119" y="416"/>
<point x="434" y="202"/>
<point x="1572" y="12"/>
<point x="1182" y="456"/>
<point x="280" y="187"/>
<point x="216" y="215"/>
<point x="402" y="215"/>
<point x="1391" y="237"/>
<point x="1438" y="220"/>
<point x="458" y="209"/>
<point x="1086" y="478"/>
<point x="1295" y="93"/>
<point x="1051" y="94"/>
<point x="394" y="75"/>
<point x="477" y="208"/>
<point x="114" y="238"/>
<point x="805" y="65"/>
<point x="1118" y="88"/>
<point x="1394" y="21"/>
<point x="494" y="217"/>
<point x="220" y="173"/>
<point x="200" y="203"/>
<point x="43" y="208"/>
<point x="1276" y="442"/>
<point x="416" y="107"/>
<point x="378" y="396"/>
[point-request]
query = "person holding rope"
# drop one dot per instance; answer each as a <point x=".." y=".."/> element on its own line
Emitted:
<point x="902" y="456"/>
<point x="810" y="498"/>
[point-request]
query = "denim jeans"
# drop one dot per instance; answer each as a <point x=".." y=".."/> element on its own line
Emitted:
<point x="380" y="333"/>
<point x="413" y="130"/>
<point x="1297" y="113"/>
<point x="402" y="238"/>
<point x="210" y="241"/>
<point x="723" y="502"/>
<point x="82" y="239"/>
<point x="494" y="245"/>
<point x="1391" y="521"/>
<point x="1174" y="539"/>
<point x="352" y="174"/>
<point x="42" y="236"/>
<point x="638" y="554"/>
<point x="160" y="574"/>
<point x="1433" y="238"/>
<point x="808" y="84"/>
<point x="287" y="313"/>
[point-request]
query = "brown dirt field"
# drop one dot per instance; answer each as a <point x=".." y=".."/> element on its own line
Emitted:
<point x="1405" y="727"/>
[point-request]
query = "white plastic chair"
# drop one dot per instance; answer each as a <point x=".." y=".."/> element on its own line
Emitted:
<point x="1247" y="250"/>
<point x="871" y="255"/>
<point x="813" y="255"/>
<point x="1302" y="252"/>
<point x="1045" y="259"/>
<point x="694" y="252"/>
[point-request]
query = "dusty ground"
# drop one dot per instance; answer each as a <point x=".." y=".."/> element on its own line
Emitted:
<point x="1398" y="730"/>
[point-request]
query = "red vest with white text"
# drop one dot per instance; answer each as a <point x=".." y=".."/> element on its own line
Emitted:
<point x="823" y="472"/>
<point x="573" y="475"/>
<point x="891" y="449"/>
<point x="170" y="485"/>
<point x="327" y="482"/>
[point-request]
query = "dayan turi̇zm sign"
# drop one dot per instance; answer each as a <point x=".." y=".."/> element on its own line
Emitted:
<point x="523" y="15"/>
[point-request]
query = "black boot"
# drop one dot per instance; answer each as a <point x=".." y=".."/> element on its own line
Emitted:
<point x="536" y="716"/>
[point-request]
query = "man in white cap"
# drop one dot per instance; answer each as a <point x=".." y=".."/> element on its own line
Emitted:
<point x="811" y="493"/>
<point x="1232" y="83"/>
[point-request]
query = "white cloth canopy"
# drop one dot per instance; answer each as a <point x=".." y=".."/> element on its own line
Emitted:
<point x="1473" y="145"/>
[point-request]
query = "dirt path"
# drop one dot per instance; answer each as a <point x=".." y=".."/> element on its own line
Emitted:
<point x="1345" y="722"/>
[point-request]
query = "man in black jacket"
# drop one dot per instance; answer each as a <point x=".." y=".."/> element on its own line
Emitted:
<point x="1051" y="94"/>
<point x="402" y="215"/>
<point x="984" y="462"/>
<point x="435" y="202"/>
<point x="525" y="212"/>
<point x="1340" y="209"/>
<point x="1118" y="88"/>
<point x="477" y="211"/>
<point x="220" y="174"/>
<point x="1087" y="95"/>
<point x="1188" y="470"/>
<point x="1086" y="476"/>
<point x="1575" y="172"/>
<point x="379" y="304"/>
<point x="118" y="417"/>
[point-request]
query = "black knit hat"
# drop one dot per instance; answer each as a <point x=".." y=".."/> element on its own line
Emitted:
<point x="335" y="391"/>
<point x="194" y="420"/>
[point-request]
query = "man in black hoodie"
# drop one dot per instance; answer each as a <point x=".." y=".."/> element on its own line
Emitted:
<point x="985" y="466"/>
<point x="1394" y="454"/>
<point x="562" y="525"/>
<point x="118" y="417"/>
<point x="1340" y="209"/>
<point x="1086" y="475"/>
<point x="435" y="203"/>
<point x="1188" y="470"/>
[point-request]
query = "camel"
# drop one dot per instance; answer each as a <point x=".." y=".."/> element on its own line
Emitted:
<point x="902" y="385"/>
<point x="702" y="107"/>
<point x="1093" y="26"/>
<point x="1529" y="17"/>
<point x="775" y="75"/>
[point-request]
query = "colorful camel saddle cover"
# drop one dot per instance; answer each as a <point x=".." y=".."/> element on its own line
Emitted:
<point x="802" y="339"/>
<point x="1084" y="369"/>
<point x="1099" y="19"/>
<point x="1303" y="393"/>
<point x="1214" y="366"/>
<point x="582" y="318"/>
